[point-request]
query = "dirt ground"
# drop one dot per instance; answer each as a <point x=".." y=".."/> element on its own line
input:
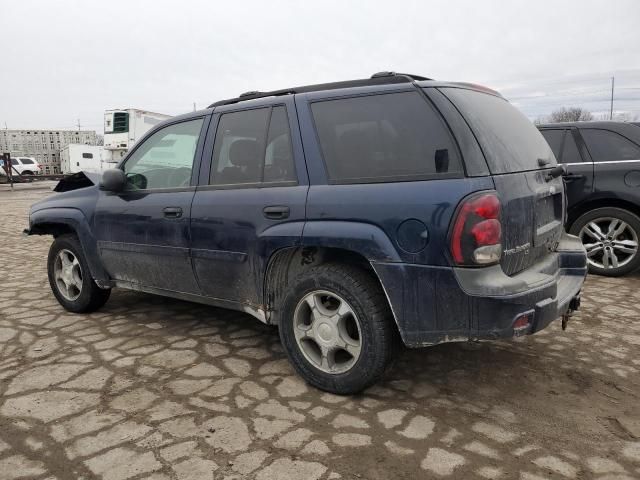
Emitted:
<point x="156" y="388"/>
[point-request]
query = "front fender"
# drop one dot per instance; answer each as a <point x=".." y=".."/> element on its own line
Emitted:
<point x="44" y="222"/>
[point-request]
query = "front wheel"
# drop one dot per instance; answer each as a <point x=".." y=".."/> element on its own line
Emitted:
<point x="610" y="236"/>
<point x="70" y="278"/>
<point x="337" y="329"/>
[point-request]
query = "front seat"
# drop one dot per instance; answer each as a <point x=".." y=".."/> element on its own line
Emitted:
<point x="245" y="157"/>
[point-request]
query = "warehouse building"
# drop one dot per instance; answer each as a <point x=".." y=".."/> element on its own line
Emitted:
<point x="44" y="145"/>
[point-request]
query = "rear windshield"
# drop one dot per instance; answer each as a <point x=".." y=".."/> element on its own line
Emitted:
<point x="510" y="142"/>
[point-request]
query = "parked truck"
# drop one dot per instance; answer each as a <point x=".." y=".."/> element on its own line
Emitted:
<point x="89" y="158"/>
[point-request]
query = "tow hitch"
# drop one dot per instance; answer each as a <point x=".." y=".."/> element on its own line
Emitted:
<point x="574" y="305"/>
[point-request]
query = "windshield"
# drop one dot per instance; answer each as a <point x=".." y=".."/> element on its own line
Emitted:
<point x="510" y="142"/>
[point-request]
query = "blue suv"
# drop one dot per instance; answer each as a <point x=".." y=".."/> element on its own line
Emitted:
<point x="357" y="216"/>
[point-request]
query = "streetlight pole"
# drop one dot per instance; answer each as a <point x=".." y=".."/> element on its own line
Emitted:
<point x="613" y="80"/>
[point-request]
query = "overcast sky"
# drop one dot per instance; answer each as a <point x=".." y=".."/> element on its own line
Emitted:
<point x="67" y="60"/>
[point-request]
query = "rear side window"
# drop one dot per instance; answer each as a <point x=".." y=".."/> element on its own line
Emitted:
<point x="570" y="153"/>
<point x="388" y="137"/>
<point x="605" y="145"/>
<point x="253" y="146"/>
<point x="278" y="161"/>
<point x="563" y="145"/>
<point x="554" y="139"/>
<point x="510" y="142"/>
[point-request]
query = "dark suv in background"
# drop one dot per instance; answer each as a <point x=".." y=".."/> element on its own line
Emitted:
<point x="602" y="161"/>
<point x="351" y="214"/>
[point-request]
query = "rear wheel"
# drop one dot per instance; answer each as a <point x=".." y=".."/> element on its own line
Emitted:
<point x="336" y="328"/>
<point x="611" y="237"/>
<point x="27" y="172"/>
<point x="70" y="278"/>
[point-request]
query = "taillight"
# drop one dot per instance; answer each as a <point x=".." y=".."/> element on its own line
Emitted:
<point x="476" y="237"/>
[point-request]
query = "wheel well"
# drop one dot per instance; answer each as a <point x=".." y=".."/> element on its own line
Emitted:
<point x="585" y="207"/>
<point x="55" y="229"/>
<point x="286" y="264"/>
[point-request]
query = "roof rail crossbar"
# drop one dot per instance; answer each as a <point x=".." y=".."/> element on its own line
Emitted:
<point x="380" y="78"/>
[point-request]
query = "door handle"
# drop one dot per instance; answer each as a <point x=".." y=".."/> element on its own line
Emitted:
<point x="172" y="212"/>
<point x="276" y="212"/>
<point x="572" y="177"/>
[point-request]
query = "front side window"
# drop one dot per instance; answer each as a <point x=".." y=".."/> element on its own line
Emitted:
<point x="253" y="147"/>
<point x="165" y="159"/>
<point x="389" y="137"/>
<point x="605" y="145"/>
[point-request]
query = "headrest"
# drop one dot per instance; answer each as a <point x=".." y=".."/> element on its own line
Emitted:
<point x="244" y="153"/>
<point x="353" y="140"/>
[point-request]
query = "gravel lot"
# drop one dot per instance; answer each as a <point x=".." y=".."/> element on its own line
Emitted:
<point x="156" y="388"/>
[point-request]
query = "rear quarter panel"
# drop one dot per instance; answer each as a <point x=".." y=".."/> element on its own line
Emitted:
<point x="618" y="180"/>
<point x="386" y="205"/>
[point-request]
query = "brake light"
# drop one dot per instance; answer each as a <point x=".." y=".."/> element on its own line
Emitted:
<point x="476" y="237"/>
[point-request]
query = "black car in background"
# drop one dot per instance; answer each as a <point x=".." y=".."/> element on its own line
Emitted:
<point x="602" y="178"/>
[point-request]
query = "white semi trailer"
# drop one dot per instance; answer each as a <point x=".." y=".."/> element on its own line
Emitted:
<point x="123" y="128"/>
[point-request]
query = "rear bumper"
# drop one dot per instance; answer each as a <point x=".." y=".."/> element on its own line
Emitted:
<point x="436" y="304"/>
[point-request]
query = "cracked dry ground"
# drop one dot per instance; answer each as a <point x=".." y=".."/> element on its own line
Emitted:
<point x="157" y="388"/>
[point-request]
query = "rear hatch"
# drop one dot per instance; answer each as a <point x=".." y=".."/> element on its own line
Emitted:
<point x="519" y="160"/>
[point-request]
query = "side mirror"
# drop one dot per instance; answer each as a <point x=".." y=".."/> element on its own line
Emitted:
<point x="113" y="180"/>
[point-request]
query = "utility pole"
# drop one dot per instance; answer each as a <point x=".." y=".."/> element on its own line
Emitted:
<point x="613" y="80"/>
<point x="78" y="125"/>
<point x="194" y="106"/>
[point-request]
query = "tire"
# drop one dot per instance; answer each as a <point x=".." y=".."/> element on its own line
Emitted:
<point x="27" y="172"/>
<point x="335" y="288"/>
<point x="617" y="235"/>
<point x="81" y="295"/>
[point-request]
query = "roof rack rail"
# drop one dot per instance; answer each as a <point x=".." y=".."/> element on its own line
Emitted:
<point x="380" y="78"/>
<point x="416" y="78"/>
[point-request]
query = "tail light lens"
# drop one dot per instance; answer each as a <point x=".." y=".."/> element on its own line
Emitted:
<point x="476" y="237"/>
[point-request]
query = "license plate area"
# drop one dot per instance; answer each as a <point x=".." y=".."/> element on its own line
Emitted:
<point x="548" y="219"/>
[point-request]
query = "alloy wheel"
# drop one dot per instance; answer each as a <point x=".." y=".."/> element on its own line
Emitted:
<point x="610" y="242"/>
<point x="67" y="273"/>
<point x="327" y="331"/>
